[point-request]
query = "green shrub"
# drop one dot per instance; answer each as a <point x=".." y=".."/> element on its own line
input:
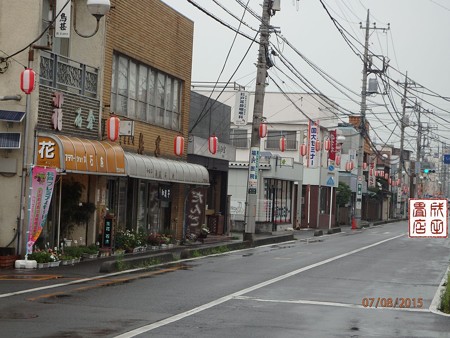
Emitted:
<point x="40" y="256"/>
<point x="445" y="299"/>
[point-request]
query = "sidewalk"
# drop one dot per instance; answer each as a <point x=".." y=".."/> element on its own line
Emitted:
<point x="212" y="244"/>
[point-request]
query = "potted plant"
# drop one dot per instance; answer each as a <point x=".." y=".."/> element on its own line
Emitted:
<point x="41" y="257"/>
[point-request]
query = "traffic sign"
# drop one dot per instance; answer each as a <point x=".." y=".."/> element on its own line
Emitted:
<point x="447" y="158"/>
<point x="331" y="167"/>
<point x="330" y="181"/>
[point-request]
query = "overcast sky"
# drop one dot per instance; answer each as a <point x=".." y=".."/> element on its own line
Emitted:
<point x="418" y="42"/>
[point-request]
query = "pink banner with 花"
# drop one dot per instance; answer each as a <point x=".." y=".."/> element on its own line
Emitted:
<point x="42" y="185"/>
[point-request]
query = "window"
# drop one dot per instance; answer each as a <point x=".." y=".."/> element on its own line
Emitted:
<point x="273" y="139"/>
<point x="239" y="138"/>
<point x="145" y="94"/>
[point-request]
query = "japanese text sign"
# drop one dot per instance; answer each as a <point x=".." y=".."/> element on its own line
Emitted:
<point x="428" y="218"/>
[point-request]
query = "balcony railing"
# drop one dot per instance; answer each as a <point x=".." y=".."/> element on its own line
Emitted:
<point x="60" y="72"/>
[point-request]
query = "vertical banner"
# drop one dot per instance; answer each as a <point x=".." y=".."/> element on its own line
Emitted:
<point x="332" y="152"/>
<point x="62" y="22"/>
<point x="371" y="177"/>
<point x="253" y="170"/>
<point x="313" y="134"/>
<point x="195" y="210"/>
<point x="241" y="108"/>
<point x="42" y="184"/>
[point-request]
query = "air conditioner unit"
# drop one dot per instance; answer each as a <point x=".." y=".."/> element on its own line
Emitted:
<point x="126" y="128"/>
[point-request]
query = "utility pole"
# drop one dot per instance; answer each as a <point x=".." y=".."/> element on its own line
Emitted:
<point x="402" y="136"/>
<point x="253" y="168"/>
<point x="362" y="125"/>
<point x="419" y="146"/>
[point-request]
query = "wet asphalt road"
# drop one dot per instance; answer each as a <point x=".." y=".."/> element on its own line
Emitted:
<point x="345" y="285"/>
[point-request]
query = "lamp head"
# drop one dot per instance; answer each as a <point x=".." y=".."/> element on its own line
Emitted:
<point x="340" y="139"/>
<point x="98" y="8"/>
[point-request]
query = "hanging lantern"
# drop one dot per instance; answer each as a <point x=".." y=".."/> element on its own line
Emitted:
<point x="386" y="176"/>
<point x="178" y="145"/>
<point x="282" y="143"/>
<point x="212" y="144"/>
<point x="262" y="130"/>
<point x="338" y="160"/>
<point x="303" y="149"/>
<point x="349" y="166"/>
<point x="318" y="145"/>
<point x="390" y="181"/>
<point x="364" y="166"/>
<point x="327" y="144"/>
<point x="27" y="80"/>
<point x="112" y="128"/>
<point x="399" y="181"/>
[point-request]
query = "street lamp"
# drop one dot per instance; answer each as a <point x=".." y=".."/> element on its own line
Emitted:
<point x="98" y="8"/>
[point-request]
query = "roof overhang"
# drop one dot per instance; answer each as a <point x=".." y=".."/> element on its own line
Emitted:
<point x="73" y="154"/>
<point x="159" y="169"/>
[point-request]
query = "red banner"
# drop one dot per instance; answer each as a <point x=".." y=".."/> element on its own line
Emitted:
<point x="332" y="152"/>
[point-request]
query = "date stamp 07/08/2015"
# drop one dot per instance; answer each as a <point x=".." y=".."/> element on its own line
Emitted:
<point x="389" y="302"/>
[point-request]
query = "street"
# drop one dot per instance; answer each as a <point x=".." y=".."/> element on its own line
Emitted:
<point x="367" y="283"/>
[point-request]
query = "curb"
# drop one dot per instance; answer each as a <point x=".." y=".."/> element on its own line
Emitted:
<point x="196" y="251"/>
<point x="434" y="306"/>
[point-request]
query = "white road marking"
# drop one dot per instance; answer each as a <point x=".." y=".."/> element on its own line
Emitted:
<point x="149" y="327"/>
<point x="313" y="302"/>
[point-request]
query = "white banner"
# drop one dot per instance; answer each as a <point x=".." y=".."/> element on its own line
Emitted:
<point x="313" y="134"/>
<point x="241" y="108"/>
<point x="62" y="22"/>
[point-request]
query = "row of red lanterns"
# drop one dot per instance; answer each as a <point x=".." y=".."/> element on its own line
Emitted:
<point x="178" y="145"/>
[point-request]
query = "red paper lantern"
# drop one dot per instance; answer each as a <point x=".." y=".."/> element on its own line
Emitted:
<point x="262" y="130"/>
<point x="27" y="80"/>
<point x="386" y="176"/>
<point x="303" y="149"/>
<point x="318" y="145"/>
<point x="349" y="166"/>
<point x="338" y="160"/>
<point x="178" y="145"/>
<point x="327" y="144"/>
<point x="212" y="144"/>
<point x="282" y="143"/>
<point x="390" y="181"/>
<point x="112" y="128"/>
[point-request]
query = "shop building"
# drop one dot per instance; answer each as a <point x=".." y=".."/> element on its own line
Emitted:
<point x="137" y="181"/>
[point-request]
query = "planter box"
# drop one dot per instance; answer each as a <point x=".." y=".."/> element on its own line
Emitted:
<point x="7" y="262"/>
<point x="90" y="256"/>
<point x="43" y="265"/>
<point x="54" y="264"/>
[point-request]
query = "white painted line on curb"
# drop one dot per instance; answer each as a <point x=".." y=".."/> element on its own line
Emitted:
<point x="242" y="292"/>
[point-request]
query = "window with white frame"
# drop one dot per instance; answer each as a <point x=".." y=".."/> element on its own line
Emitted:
<point x="144" y="93"/>
<point x="273" y="139"/>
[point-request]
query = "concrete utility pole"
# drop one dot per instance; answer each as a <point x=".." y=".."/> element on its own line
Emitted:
<point x="419" y="147"/>
<point x="362" y="125"/>
<point x="253" y="169"/>
<point x="402" y="135"/>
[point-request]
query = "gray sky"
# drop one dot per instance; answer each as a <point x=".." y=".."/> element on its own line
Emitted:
<point x="417" y="42"/>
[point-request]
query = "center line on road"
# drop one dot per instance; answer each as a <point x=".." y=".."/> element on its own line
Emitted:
<point x="242" y="292"/>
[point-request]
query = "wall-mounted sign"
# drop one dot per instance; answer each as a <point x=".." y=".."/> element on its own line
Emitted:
<point x="164" y="192"/>
<point x="241" y="108"/>
<point x="62" y="23"/>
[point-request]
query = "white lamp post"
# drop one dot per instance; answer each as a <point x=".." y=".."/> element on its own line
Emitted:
<point x="98" y="8"/>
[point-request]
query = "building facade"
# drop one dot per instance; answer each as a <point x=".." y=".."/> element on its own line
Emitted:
<point x="138" y="73"/>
